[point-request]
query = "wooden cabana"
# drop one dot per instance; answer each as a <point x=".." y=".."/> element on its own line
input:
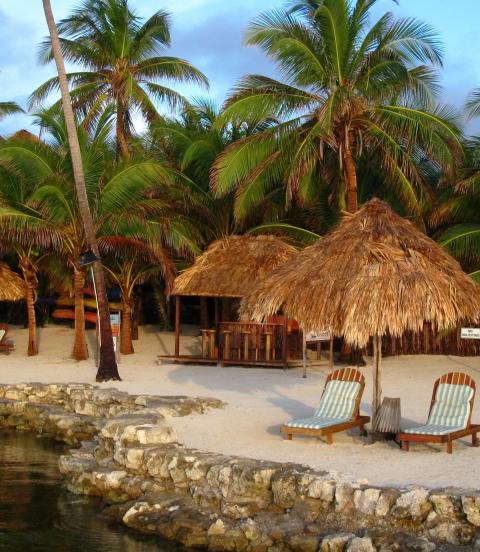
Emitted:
<point x="228" y="270"/>
<point x="12" y="286"/>
<point x="376" y="274"/>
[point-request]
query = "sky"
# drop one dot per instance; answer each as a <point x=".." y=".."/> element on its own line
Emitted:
<point x="208" y="33"/>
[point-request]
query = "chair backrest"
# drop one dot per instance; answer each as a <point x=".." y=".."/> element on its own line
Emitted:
<point x="452" y="400"/>
<point x="342" y="394"/>
<point x="3" y="331"/>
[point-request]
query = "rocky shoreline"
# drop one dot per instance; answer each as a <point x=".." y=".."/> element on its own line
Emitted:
<point x="128" y="455"/>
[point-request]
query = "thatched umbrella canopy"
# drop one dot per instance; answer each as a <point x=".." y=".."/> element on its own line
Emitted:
<point x="375" y="274"/>
<point x="230" y="266"/>
<point x="12" y="287"/>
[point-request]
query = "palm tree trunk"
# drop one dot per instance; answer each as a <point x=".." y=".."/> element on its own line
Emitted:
<point x="107" y="369"/>
<point x="30" y="277"/>
<point x="350" y="181"/>
<point x="80" y="350"/>
<point x="126" y="345"/>
<point x="32" y="321"/>
<point x="348" y="353"/>
<point x="122" y="142"/>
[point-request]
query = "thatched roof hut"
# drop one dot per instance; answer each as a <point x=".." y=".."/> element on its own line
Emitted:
<point x="12" y="287"/>
<point x="376" y="273"/>
<point x="230" y="266"/>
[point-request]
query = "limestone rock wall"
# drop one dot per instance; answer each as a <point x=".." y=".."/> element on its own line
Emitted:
<point x="129" y="455"/>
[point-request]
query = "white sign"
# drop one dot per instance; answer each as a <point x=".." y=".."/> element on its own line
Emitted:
<point x="318" y="336"/>
<point x="470" y="333"/>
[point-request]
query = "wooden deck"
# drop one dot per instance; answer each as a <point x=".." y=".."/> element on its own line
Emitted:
<point x="186" y="359"/>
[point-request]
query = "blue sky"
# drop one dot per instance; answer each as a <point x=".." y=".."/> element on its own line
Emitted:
<point x="209" y="34"/>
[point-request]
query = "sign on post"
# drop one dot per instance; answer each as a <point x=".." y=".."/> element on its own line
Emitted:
<point x="317" y="336"/>
<point x="470" y="333"/>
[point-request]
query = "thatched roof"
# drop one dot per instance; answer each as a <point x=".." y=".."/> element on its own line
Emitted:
<point x="230" y="266"/>
<point x="12" y="287"/>
<point x="376" y="273"/>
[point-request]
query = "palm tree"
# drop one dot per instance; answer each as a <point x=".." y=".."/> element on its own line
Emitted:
<point x="107" y="369"/>
<point x="352" y="91"/>
<point x="124" y="63"/>
<point x="128" y="201"/>
<point x="456" y="217"/>
<point x="131" y="262"/>
<point x="23" y="228"/>
<point x="9" y="108"/>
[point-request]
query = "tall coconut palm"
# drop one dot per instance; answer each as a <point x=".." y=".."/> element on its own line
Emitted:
<point x="107" y="369"/>
<point x="122" y="61"/>
<point x="352" y="89"/>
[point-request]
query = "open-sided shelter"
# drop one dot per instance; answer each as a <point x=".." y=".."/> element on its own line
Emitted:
<point x="376" y="274"/>
<point x="229" y="269"/>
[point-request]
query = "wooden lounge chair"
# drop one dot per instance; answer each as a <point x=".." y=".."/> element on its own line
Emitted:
<point x="449" y="415"/>
<point x="338" y="409"/>
<point x="5" y="346"/>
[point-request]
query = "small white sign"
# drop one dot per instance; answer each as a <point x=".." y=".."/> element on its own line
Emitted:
<point x="470" y="333"/>
<point x="318" y="336"/>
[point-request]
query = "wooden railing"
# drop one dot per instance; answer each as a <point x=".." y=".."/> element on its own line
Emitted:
<point x="251" y="341"/>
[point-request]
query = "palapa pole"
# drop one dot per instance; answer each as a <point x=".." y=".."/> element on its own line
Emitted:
<point x="330" y="352"/>
<point x="377" y="381"/>
<point x="177" y="325"/>
<point x="304" y="353"/>
<point x="217" y="327"/>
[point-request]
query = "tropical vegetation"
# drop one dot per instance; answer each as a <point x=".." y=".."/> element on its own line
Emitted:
<point x="356" y="112"/>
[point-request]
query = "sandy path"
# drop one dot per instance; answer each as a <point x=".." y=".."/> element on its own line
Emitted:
<point x="259" y="400"/>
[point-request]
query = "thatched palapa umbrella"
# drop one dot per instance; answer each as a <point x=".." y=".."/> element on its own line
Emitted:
<point x="12" y="287"/>
<point x="229" y="269"/>
<point x="375" y="274"/>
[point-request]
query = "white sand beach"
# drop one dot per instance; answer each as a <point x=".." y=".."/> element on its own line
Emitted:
<point x="260" y="400"/>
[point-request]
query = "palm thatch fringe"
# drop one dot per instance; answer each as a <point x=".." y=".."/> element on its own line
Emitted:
<point x="12" y="286"/>
<point x="230" y="266"/>
<point x="375" y="274"/>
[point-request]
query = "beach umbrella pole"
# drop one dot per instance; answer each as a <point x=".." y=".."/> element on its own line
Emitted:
<point x="304" y="353"/>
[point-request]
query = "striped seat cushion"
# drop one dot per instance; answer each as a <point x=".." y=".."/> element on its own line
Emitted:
<point x="449" y="412"/>
<point x="315" y="422"/>
<point x="2" y="333"/>
<point x="432" y="429"/>
<point x="336" y="405"/>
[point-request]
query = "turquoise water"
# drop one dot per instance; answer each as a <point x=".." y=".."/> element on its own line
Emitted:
<point x="38" y="514"/>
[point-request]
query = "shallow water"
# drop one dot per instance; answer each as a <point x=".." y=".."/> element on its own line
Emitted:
<point x="38" y="514"/>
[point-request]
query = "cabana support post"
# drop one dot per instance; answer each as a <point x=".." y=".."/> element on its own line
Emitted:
<point x="177" y="325"/>
<point x="377" y="382"/>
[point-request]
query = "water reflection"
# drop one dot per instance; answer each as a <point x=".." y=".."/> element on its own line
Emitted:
<point x="38" y="514"/>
